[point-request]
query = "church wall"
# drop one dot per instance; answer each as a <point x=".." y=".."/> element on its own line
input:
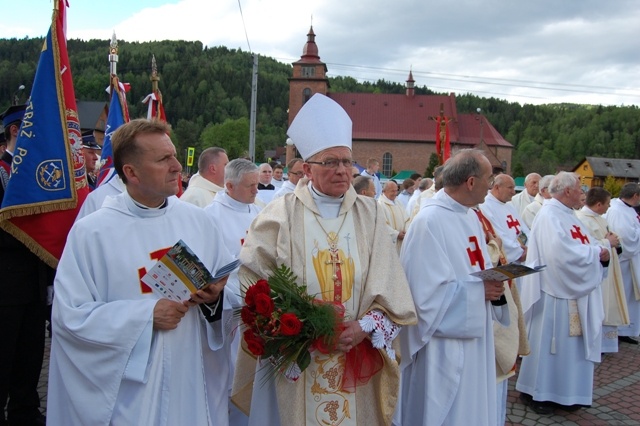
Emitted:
<point x="406" y="155"/>
<point x="409" y="155"/>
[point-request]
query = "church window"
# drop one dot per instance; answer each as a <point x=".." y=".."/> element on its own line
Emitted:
<point x="387" y="164"/>
<point x="308" y="71"/>
<point x="306" y="95"/>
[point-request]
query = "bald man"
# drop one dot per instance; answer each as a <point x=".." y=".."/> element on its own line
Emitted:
<point x="506" y="221"/>
<point x="527" y="196"/>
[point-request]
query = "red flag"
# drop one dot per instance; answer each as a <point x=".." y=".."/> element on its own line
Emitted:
<point x="48" y="182"/>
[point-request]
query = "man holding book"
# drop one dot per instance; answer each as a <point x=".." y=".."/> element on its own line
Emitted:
<point x="121" y="354"/>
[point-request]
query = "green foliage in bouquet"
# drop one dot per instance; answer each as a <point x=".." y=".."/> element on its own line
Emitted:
<point x="282" y="323"/>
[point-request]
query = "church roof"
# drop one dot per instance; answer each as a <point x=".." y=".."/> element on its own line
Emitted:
<point x="398" y="117"/>
<point x="310" y="50"/>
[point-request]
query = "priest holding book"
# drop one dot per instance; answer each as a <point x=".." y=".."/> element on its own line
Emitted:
<point x="120" y="353"/>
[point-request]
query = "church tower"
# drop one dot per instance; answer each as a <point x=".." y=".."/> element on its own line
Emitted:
<point x="309" y="77"/>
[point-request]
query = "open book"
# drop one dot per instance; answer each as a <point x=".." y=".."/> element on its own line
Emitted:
<point x="507" y="272"/>
<point x="180" y="272"/>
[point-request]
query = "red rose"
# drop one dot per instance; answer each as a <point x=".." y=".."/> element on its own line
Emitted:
<point x="254" y="343"/>
<point x="248" y="316"/>
<point x="264" y="304"/>
<point x="260" y="287"/>
<point x="290" y="325"/>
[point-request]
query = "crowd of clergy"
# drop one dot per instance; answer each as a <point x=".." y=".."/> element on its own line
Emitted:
<point x="431" y="335"/>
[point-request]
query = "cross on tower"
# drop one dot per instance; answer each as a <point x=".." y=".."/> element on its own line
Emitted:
<point x="513" y="223"/>
<point x="577" y="234"/>
<point x="475" y="255"/>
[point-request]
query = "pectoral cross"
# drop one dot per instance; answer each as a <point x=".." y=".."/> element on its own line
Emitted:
<point x="513" y="223"/>
<point x="576" y="234"/>
<point x="335" y="262"/>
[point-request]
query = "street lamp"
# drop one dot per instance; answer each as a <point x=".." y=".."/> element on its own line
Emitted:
<point x="16" y="99"/>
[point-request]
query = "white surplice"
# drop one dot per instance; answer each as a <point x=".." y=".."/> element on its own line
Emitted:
<point x="560" y="366"/>
<point x="200" y="191"/>
<point x="108" y="365"/>
<point x="448" y="359"/>
<point x="396" y="217"/>
<point x="613" y="297"/>
<point x="508" y="225"/>
<point x="286" y="188"/>
<point x="625" y="222"/>
<point x="96" y="198"/>
<point x="530" y="211"/>
<point x="521" y="200"/>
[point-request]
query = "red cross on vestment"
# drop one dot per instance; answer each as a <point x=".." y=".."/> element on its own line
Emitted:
<point x="513" y="223"/>
<point x="577" y="234"/>
<point x="475" y="255"/>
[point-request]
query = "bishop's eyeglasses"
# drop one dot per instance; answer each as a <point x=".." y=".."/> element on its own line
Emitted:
<point x="334" y="163"/>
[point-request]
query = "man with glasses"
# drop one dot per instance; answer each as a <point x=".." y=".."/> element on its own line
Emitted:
<point x="339" y="247"/>
<point x="295" y="173"/>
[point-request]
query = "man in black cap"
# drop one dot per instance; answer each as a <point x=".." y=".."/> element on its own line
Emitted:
<point x="91" y="151"/>
<point x="23" y="300"/>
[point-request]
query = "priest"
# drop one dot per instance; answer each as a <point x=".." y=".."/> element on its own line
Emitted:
<point x="325" y="219"/>
<point x="448" y="359"/>
<point x="615" y="302"/>
<point x="565" y="302"/>
<point x="624" y="221"/>
<point x="506" y="221"/>
<point x="120" y="353"/>
<point x="394" y="212"/>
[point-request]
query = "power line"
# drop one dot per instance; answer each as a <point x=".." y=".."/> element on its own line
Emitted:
<point x="244" y="26"/>
<point x="531" y="84"/>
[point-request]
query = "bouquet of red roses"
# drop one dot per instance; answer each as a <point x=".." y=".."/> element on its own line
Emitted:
<point x="284" y="324"/>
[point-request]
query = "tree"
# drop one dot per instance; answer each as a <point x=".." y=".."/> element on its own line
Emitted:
<point x="433" y="163"/>
<point x="613" y="186"/>
<point x="232" y="135"/>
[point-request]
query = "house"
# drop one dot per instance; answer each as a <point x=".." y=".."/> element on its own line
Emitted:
<point x="594" y="170"/>
<point x="397" y="129"/>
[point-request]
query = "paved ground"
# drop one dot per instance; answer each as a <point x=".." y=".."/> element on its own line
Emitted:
<point x="616" y="397"/>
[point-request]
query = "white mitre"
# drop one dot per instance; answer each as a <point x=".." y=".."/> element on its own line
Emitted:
<point x="320" y="124"/>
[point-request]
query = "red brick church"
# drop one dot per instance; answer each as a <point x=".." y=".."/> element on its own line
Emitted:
<point x="398" y="130"/>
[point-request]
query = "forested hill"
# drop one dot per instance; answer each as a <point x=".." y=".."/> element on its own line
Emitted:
<point x="207" y="94"/>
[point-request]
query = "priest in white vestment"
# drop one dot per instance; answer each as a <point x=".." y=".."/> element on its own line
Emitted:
<point x="448" y="359"/>
<point x="530" y="211"/>
<point x="371" y="171"/>
<point x="204" y="186"/>
<point x="233" y="210"/>
<point x="295" y="173"/>
<point x="527" y="196"/>
<point x="121" y="354"/>
<point x="428" y="193"/>
<point x="625" y="222"/>
<point x="337" y="244"/>
<point x="565" y="303"/>
<point x="395" y="213"/>
<point x="96" y="197"/>
<point x="613" y="298"/>
<point x="509" y="341"/>
<point x="505" y="219"/>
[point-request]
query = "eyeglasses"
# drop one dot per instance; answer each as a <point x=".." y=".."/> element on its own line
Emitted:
<point x="333" y="163"/>
<point x="299" y="174"/>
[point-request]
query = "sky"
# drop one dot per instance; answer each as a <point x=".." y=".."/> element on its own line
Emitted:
<point x="530" y="52"/>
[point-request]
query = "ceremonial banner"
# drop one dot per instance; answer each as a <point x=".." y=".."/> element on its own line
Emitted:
<point x="155" y="107"/>
<point x="48" y="182"/>
<point x="118" y="115"/>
